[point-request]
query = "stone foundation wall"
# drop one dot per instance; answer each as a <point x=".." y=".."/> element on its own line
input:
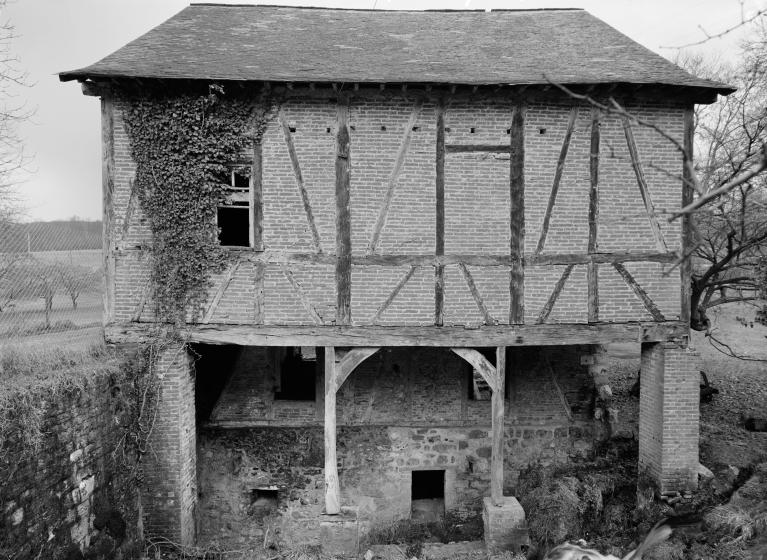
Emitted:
<point x="74" y="494"/>
<point x="404" y="410"/>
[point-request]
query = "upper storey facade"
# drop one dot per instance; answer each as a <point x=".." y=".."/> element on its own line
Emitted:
<point x="420" y="169"/>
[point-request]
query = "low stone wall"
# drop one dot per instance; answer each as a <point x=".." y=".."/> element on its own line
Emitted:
<point x="73" y="496"/>
<point x="267" y="483"/>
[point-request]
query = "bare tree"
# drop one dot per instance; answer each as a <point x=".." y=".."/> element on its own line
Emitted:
<point x="76" y="279"/>
<point x="730" y="148"/>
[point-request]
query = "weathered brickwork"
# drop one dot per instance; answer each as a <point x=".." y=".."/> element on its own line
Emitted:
<point x="400" y="410"/>
<point x="76" y="494"/>
<point x="169" y="468"/>
<point x="476" y="213"/>
<point x="669" y="416"/>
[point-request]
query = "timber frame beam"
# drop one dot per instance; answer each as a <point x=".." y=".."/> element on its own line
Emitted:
<point x="337" y="369"/>
<point x="495" y="375"/>
<point x="375" y="336"/>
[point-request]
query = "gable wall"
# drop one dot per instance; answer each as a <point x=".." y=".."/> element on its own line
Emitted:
<point x="476" y="213"/>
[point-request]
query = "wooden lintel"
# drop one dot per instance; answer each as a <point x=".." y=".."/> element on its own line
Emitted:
<point x="332" y="488"/>
<point x="469" y="148"/>
<point x="488" y="335"/>
<point x="278" y="257"/>
<point x="557" y="178"/>
<point x="349" y="362"/>
<point x="481" y="364"/>
<point x="517" y="215"/>
<point x="343" y="216"/>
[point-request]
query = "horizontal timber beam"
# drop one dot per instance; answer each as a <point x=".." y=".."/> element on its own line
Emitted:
<point x="468" y="148"/>
<point x="444" y="260"/>
<point x="340" y="335"/>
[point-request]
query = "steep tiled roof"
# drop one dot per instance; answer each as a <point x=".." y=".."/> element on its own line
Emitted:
<point x="286" y="44"/>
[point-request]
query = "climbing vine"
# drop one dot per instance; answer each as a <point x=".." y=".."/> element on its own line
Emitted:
<point x="184" y="146"/>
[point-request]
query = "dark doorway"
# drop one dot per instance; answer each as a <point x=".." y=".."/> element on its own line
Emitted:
<point x="427" y="496"/>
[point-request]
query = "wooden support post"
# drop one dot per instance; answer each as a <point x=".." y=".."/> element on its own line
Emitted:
<point x="496" y="457"/>
<point x="258" y="289"/>
<point x="107" y="182"/>
<point x="592" y="272"/>
<point x="332" y="490"/>
<point x="343" y="218"/>
<point x="439" y="270"/>
<point x="517" y="216"/>
<point x="685" y="268"/>
<point x="257" y="198"/>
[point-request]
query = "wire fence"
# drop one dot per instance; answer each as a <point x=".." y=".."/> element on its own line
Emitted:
<point x="50" y="279"/>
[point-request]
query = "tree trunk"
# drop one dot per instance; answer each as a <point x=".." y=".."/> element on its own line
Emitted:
<point x="48" y="307"/>
<point x="699" y="321"/>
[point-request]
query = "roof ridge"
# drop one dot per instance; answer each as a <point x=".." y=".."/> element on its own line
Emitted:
<point x="431" y="10"/>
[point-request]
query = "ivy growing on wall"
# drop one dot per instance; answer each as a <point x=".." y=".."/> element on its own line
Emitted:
<point x="183" y="146"/>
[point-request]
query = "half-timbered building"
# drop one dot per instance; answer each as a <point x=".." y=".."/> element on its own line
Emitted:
<point x="432" y="242"/>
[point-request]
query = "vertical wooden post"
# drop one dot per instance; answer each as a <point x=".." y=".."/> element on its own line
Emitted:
<point x="257" y="198"/>
<point x="685" y="269"/>
<point x="592" y="272"/>
<point x="343" y="217"/>
<point x="107" y="181"/>
<point x="517" y="216"/>
<point x="496" y="460"/>
<point x="332" y="491"/>
<point x="439" y="271"/>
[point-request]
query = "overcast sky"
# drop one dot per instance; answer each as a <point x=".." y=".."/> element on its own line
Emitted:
<point x="63" y="138"/>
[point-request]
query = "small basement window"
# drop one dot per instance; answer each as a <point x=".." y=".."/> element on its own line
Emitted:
<point x="234" y="215"/>
<point x="263" y="502"/>
<point x="296" y="374"/>
<point x="427" y="496"/>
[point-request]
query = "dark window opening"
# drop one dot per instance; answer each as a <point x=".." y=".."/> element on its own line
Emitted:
<point x="427" y="495"/>
<point x="213" y="367"/>
<point x="263" y="502"/>
<point x="297" y="374"/>
<point x="428" y="485"/>
<point x="233" y="215"/>
<point x="234" y="226"/>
